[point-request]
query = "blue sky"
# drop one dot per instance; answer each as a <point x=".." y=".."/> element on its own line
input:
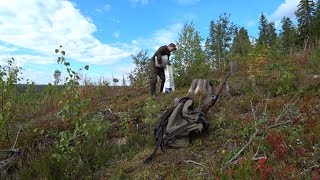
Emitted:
<point x="105" y="33"/>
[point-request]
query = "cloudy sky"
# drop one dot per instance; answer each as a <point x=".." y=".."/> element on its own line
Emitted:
<point x="105" y="33"/>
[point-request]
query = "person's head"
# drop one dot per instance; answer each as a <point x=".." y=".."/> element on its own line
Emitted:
<point x="172" y="47"/>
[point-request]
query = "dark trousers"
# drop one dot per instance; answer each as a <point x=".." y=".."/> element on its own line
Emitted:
<point x="155" y="71"/>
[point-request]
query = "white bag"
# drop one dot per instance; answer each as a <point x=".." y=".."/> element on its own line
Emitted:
<point x="164" y="59"/>
<point x="169" y="82"/>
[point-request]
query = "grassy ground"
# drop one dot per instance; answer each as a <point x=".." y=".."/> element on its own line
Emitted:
<point x="269" y="125"/>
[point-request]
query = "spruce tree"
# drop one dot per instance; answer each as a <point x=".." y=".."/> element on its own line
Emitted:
<point x="316" y="24"/>
<point x="287" y="35"/>
<point x="241" y="44"/>
<point x="304" y="14"/>
<point x="220" y="40"/>
<point x="271" y="34"/>
<point x="263" y="31"/>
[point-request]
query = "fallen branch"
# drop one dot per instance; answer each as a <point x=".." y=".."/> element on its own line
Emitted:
<point x="15" y="142"/>
<point x="286" y="108"/>
<point x="310" y="168"/>
<point x="12" y="152"/>
<point x="196" y="154"/>
<point x="255" y="158"/>
<point x="190" y="161"/>
<point x="236" y="156"/>
<point x="5" y="162"/>
<point x="257" y="132"/>
<point x="279" y="124"/>
<point x="201" y="174"/>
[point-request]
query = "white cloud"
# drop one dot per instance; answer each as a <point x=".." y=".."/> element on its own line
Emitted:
<point x="187" y="2"/>
<point x="42" y="77"/>
<point x="159" y="37"/>
<point x="22" y="59"/>
<point x="135" y="2"/>
<point x="251" y="23"/>
<point x="4" y="49"/>
<point x="116" y="34"/>
<point x="286" y="9"/>
<point x="167" y="35"/>
<point x="32" y="34"/>
<point x="105" y="8"/>
<point x="44" y="25"/>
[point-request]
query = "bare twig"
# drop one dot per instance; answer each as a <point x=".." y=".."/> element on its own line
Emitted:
<point x="15" y="142"/>
<point x="225" y="144"/>
<point x="235" y="157"/>
<point x="279" y="124"/>
<point x="257" y="158"/>
<point x="286" y="108"/>
<point x="190" y="161"/>
<point x="13" y="152"/>
<point x="196" y="154"/>
<point x="254" y="158"/>
<point x="5" y="162"/>
<point x="265" y="107"/>
<point x="310" y="169"/>
<point x="253" y="112"/>
<point x="201" y="174"/>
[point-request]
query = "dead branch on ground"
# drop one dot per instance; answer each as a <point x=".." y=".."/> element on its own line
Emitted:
<point x="257" y="131"/>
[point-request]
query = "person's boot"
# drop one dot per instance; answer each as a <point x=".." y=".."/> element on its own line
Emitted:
<point x="154" y="96"/>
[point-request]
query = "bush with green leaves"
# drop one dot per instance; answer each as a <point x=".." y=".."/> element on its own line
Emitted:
<point x="9" y="78"/>
<point x="73" y="111"/>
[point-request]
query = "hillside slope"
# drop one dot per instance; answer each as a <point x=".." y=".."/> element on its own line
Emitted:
<point x="267" y="127"/>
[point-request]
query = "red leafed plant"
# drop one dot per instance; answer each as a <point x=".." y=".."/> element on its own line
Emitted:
<point x="263" y="168"/>
<point x="275" y="140"/>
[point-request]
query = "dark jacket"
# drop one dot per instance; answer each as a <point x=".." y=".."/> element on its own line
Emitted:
<point x="163" y="50"/>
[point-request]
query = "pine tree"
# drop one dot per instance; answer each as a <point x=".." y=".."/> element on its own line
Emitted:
<point x="304" y="14"/>
<point x="267" y="33"/>
<point x="263" y="31"/>
<point x="316" y="24"/>
<point x="220" y="40"/>
<point x="287" y="35"/>
<point x="271" y="34"/>
<point x="241" y="44"/>
<point x="211" y="43"/>
<point x="189" y="59"/>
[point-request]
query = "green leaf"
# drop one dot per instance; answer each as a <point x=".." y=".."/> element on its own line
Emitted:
<point x="63" y="52"/>
<point x="56" y="50"/>
<point x="86" y="67"/>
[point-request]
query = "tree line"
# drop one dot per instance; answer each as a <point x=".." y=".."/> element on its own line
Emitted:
<point x="229" y="42"/>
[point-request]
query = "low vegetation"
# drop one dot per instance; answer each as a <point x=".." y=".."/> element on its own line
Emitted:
<point x="268" y="127"/>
